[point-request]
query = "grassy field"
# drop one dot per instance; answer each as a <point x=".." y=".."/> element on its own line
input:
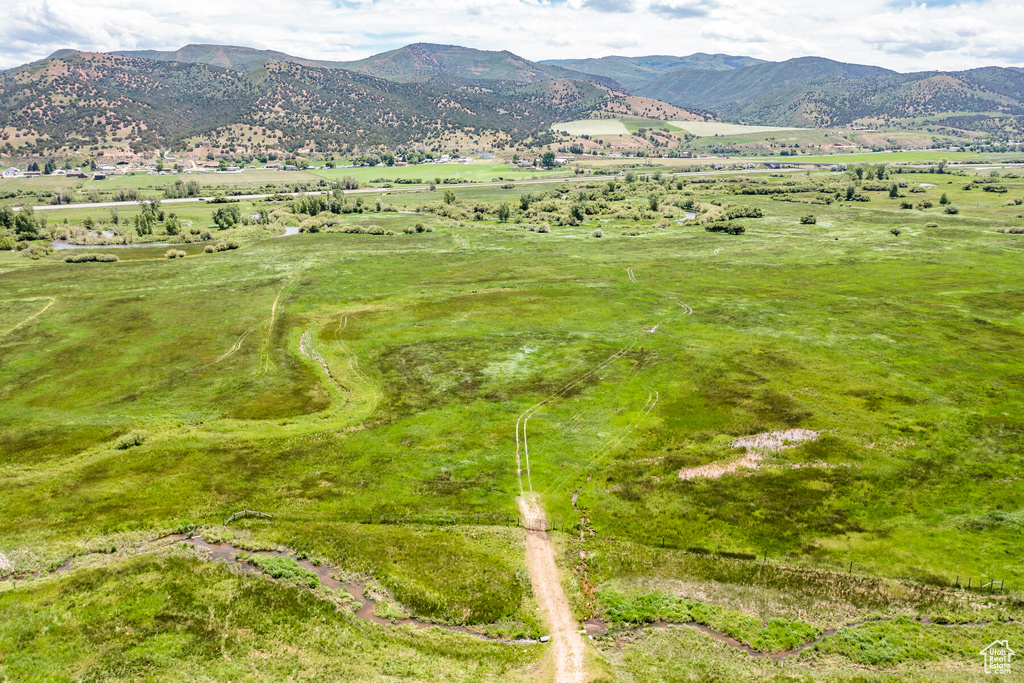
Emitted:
<point x="364" y="389"/>
<point x="593" y="127"/>
<point x="921" y="157"/>
<point x="711" y="128"/>
<point x="479" y="171"/>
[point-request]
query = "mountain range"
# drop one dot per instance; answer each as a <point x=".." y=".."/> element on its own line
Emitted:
<point x="257" y="100"/>
<point x="423" y="94"/>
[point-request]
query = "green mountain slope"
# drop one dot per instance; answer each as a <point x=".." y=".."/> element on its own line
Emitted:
<point x="425" y="61"/>
<point x="225" y="56"/>
<point x="82" y="100"/>
<point x="419" y="63"/>
<point x="717" y="89"/>
<point x="632" y="72"/>
<point x="819" y="92"/>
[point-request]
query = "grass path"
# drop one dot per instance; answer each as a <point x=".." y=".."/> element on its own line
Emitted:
<point x="30" y="318"/>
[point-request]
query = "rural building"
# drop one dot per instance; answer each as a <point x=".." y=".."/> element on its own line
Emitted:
<point x="12" y="173"/>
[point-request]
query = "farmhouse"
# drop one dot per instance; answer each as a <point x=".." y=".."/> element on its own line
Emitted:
<point x="12" y="173"/>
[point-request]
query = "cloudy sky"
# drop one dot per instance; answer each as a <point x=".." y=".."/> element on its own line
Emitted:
<point x="899" y="34"/>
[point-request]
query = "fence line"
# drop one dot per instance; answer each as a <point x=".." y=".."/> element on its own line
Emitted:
<point x="559" y="525"/>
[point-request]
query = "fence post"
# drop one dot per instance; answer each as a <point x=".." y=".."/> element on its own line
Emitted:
<point x="851" y="567"/>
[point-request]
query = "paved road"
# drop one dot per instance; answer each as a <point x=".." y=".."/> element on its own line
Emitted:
<point x="411" y="188"/>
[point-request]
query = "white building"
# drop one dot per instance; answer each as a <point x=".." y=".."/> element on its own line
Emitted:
<point x="12" y="173"/>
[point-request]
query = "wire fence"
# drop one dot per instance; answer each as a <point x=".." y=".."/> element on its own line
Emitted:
<point x="559" y="525"/>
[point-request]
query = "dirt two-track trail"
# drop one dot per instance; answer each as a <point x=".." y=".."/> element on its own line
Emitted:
<point x="567" y="645"/>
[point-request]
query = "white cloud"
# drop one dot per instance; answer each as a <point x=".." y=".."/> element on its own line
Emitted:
<point x="901" y="35"/>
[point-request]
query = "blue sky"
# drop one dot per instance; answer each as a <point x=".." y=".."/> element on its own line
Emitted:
<point x="899" y="34"/>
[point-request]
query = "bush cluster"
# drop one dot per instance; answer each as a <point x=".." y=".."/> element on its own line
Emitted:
<point x="175" y="253"/>
<point x="221" y="246"/>
<point x="91" y="258"/>
<point x="130" y="440"/>
<point x="725" y="228"/>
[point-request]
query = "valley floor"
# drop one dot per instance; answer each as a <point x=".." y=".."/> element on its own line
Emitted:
<point x="792" y="453"/>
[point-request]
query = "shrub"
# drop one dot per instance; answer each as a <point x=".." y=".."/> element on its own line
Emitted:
<point x="931" y="225"/>
<point x="896" y="232"/>
<point x="8" y="243"/>
<point x="906" y="205"/>
<point x="283" y="568"/>
<point x="809" y="219"/>
<point x="91" y="258"/>
<point x="925" y="204"/>
<point x="952" y="210"/>
<point x="130" y="440"/>
<point x="175" y="253"/>
<point x="221" y="246"/>
<point x="725" y="228"/>
<point x="598" y="233"/>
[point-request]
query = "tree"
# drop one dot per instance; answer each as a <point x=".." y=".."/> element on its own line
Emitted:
<point x="524" y="201"/>
<point x="548" y="160"/>
<point x="173" y="225"/>
<point x="144" y="223"/>
<point x="49" y="167"/>
<point x="6" y="217"/>
<point x="88" y="223"/>
<point x="944" y="199"/>
<point x="114" y="217"/>
<point x="504" y="211"/>
<point x="894" y="191"/>
<point x="26" y="225"/>
<point x="228" y="217"/>
<point x="449" y="197"/>
<point x="654" y="202"/>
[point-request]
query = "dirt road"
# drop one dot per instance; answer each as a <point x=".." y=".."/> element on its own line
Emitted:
<point x="567" y="645"/>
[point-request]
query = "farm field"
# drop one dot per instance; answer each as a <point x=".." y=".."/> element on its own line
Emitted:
<point x="918" y="157"/>
<point x="480" y="171"/>
<point x="593" y="127"/>
<point x="803" y="437"/>
<point x="710" y="128"/>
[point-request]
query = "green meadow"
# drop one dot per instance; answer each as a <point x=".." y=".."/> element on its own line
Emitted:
<point x="364" y="389"/>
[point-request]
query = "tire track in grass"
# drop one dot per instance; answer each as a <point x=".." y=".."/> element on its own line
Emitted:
<point x="653" y="396"/>
<point x="353" y="364"/>
<point x="265" y="350"/>
<point x="522" y="446"/>
<point x="32" y="317"/>
<point x="236" y="347"/>
<point x="568" y="647"/>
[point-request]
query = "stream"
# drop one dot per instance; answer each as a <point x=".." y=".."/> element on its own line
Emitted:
<point x="368" y="609"/>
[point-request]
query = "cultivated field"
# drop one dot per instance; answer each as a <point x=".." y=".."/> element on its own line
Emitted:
<point x="593" y="127"/>
<point x="710" y="128"/>
<point x="795" y="443"/>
